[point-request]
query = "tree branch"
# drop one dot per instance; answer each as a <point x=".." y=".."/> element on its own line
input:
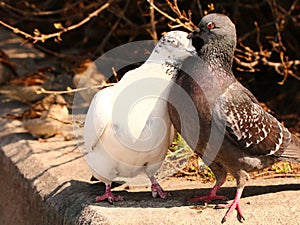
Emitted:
<point x="43" y="37"/>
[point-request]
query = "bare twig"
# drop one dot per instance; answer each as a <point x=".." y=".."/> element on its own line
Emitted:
<point x="67" y="122"/>
<point x="278" y="22"/>
<point x="112" y="29"/>
<point x="287" y="14"/>
<point x="182" y="15"/>
<point x="249" y="65"/>
<point x="252" y="32"/>
<point x="38" y="13"/>
<point x="284" y="67"/>
<point x="42" y="37"/>
<point x="244" y="4"/>
<point x="70" y="90"/>
<point x="258" y="42"/>
<point x="200" y="8"/>
<point x="115" y="73"/>
<point x="153" y="32"/>
<point x="120" y="14"/>
<point x="188" y="24"/>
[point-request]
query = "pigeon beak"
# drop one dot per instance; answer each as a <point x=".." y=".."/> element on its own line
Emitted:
<point x="190" y="49"/>
<point x="194" y="33"/>
<point x="196" y="39"/>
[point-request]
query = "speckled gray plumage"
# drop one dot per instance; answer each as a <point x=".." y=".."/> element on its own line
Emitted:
<point x="246" y="138"/>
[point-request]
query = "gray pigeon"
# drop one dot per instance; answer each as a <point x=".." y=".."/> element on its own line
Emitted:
<point x="225" y="124"/>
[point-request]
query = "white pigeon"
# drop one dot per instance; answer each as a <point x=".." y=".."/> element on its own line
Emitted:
<point x="127" y="129"/>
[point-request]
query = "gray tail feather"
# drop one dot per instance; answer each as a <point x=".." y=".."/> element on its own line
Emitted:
<point x="292" y="151"/>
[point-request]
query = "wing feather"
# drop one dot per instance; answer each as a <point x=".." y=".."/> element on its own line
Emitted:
<point x="97" y="118"/>
<point x="247" y="124"/>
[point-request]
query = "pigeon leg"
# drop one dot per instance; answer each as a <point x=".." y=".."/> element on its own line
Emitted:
<point x="220" y="173"/>
<point x="211" y="196"/>
<point x="109" y="196"/>
<point x="157" y="189"/>
<point x="234" y="205"/>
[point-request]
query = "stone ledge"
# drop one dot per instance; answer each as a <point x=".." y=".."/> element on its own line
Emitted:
<point x="48" y="183"/>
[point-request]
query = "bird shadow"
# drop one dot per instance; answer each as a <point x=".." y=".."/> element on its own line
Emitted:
<point x="86" y="192"/>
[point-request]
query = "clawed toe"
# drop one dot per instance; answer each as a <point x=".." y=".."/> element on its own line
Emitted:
<point x="207" y="198"/>
<point x="109" y="197"/>
<point x="157" y="191"/>
<point x="231" y="207"/>
<point x="240" y="218"/>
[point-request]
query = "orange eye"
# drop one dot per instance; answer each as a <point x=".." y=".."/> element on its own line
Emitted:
<point x="210" y="25"/>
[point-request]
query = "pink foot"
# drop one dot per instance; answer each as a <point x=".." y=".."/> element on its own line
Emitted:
<point x="211" y="196"/>
<point x="157" y="189"/>
<point x="231" y="206"/>
<point x="109" y="196"/>
<point x="207" y="198"/>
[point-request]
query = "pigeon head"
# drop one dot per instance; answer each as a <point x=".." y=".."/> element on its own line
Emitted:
<point x="174" y="46"/>
<point x="214" y="28"/>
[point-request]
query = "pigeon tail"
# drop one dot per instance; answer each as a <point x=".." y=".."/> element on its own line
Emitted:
<point x="292" y="151"/>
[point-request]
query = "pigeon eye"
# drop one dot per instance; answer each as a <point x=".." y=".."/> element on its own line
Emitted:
<point x="210" y="25"/>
